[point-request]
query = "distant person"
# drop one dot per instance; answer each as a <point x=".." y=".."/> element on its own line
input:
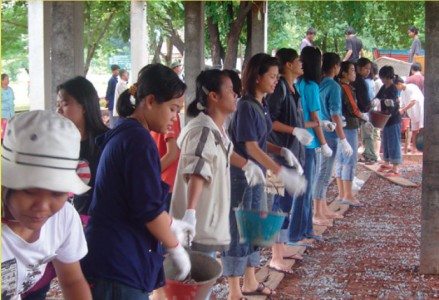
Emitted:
<point x="377" y="83"/>
<point x="177" y="67"/>
<point x="354" y="46"/>
<point x="415" y="48"/>
<point x="309" y="38"/>
<point x="109" y="96"/>
<point x="416" y="76"/>
<point x="8" y="107"/>
<point x="121" y="86"/>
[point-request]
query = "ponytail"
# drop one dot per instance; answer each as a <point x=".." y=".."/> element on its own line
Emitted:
<point x="124" y="106"/>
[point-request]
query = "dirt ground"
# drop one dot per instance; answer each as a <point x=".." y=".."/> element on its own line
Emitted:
<point x="372" y="253"/>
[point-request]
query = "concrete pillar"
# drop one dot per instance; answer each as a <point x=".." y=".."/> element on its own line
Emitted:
<point x="430" y="173"/>
<point x="194" y="45"/>
<point x="39" y="56"/>
<point x="258" y="29"/>
<point x="56" y="48"/>
<point x="67" y="39"/>
<point x="138" y="38"/>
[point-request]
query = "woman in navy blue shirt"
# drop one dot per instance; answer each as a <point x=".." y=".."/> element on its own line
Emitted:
<point x="128" y="211"/>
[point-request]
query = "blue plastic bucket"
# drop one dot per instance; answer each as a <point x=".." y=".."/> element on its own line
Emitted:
<point x="258" y="229"/>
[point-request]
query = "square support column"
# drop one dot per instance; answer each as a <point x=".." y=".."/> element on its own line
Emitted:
<point x="138" y="38"/>
<point x="258" y="27"/>
<point x="194" y="45"/>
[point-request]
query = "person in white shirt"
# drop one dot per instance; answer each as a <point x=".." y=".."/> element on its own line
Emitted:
<point x="412" y="102"/>
<point x="121" y="86"/>
<point x="309" y="38"/>
<point x="39" y="159"/>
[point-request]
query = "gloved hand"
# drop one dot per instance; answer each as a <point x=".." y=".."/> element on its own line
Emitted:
<point x="346" y="148"/>
<point x="304" y="137"/>
<point x="375" y="102"/>
<point x="183" y="230"/>
<point x="291" y="159"/>
<point x="365" y="117"/>
<point x="293" y="182"/>
<point x="328" y="125"/>
<point x="190" y="217"/>
<point x="253" y="173"/>
<point x="181" y="261"/>
<point x="389" y="102"/>
<point x="326" y="151"/>
<point x="343" y="121"/>
<point x="368" y="127"/>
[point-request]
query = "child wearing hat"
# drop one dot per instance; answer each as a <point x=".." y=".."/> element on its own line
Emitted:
<point x="40" y="156"/>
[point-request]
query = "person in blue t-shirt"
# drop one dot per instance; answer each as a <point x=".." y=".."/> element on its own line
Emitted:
<point x="301" y="227"/>
<point x="331" y="114"/>
<point x="128" y="218"/>
<point x="249" y="129"/>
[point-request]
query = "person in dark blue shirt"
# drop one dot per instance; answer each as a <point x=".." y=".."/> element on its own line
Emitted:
<point x="128" y="218"/>
<point x="109" y="95"/>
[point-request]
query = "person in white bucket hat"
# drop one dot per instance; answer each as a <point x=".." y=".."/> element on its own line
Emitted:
<point x="39" y="159"/>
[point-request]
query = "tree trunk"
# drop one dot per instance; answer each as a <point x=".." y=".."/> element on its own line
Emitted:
<point x="324" y="42"/>
<point x="158" y="47"/>
<point x="430" y="173"/>
<point x="169" y="48"/>
<point x="234" y="33"/>
<point x="175" y="37"/>
<point x="93" y="45"/>
<point x="214" y="42"/>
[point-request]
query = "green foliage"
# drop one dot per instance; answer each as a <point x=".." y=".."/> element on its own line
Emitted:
<point x="14" y="37"/>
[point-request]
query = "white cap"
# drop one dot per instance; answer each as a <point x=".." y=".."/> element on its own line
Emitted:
<point x="41" y="150"/>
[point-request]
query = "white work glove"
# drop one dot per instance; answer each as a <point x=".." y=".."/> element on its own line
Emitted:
<point x="375" y="102"/>
<point x="181" y="261"/>
<point x="389" y="102"/>
<point x="328" y="125"/>
<point x="253" y="173"/>
<point x="365" y="117"/>
<point x="346" y="148"/>
<point x="184" y="231"/>
<point x="190" y="217"/>
<point x="326" y="151"/>
<point x="293" y="182"/>
<point x="304" y="137"/>
<point x="291" y="159"/>
<point x="343" y="122"/>
<point x="368" y="127"/>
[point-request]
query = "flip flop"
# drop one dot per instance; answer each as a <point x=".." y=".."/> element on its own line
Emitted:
<point x="391" y="174"/>
<point x="285" y="271"/>
<point x="384" y="168"/>
<point x="260" y="291"/>
<point x="295" y="256"/>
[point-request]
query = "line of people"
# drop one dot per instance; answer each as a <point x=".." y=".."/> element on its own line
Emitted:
<point x="297" y="116"/>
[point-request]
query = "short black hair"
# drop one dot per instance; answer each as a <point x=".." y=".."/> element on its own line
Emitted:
<point x="387" y="72"/>
<point x="311" y="30"/>
<point x="416" y="67"/>
<point x="115" y="67"/>
<point x="414" y="29"/>
<point x="349" y="30"/>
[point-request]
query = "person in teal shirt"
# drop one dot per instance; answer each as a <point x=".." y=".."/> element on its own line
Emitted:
<point x="8" y="107"/>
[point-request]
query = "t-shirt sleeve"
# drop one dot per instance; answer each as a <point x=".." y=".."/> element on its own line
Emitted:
<point x="275" y="100"/>
<point x="74" y="246"/>
<point x="348" y="44"/>
<point x="312" y="96"/>
<point x="246" y="129"/>
<point x="335" y="100"/>
<point x="198" y="155"/>
<point x="145" y="190"/>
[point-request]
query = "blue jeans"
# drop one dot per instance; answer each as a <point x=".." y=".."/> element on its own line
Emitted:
<point x="345" y="165"/>
<point x="283" y="204"/>
<point x="301" y="220"/>
<point x="104" y="289"/>
<point x="391" y="142"/>
<point x="325" y="167"/>
<point x="240" y="256"/>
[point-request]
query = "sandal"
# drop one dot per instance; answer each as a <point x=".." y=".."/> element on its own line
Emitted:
<point x="260" y="291"/>
<point x="383" y="168"/>
<point x="285" y="271"/>
<point x="391" y="173"/>
<point x="295" y="256"/>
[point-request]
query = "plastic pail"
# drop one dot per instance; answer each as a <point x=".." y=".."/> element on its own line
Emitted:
<point x="205" y="270"/>
<point x="258" y="230"/>
<point x="378" y="119"/>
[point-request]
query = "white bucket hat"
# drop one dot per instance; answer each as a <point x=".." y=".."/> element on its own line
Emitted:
<point x="41" y="150"/>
